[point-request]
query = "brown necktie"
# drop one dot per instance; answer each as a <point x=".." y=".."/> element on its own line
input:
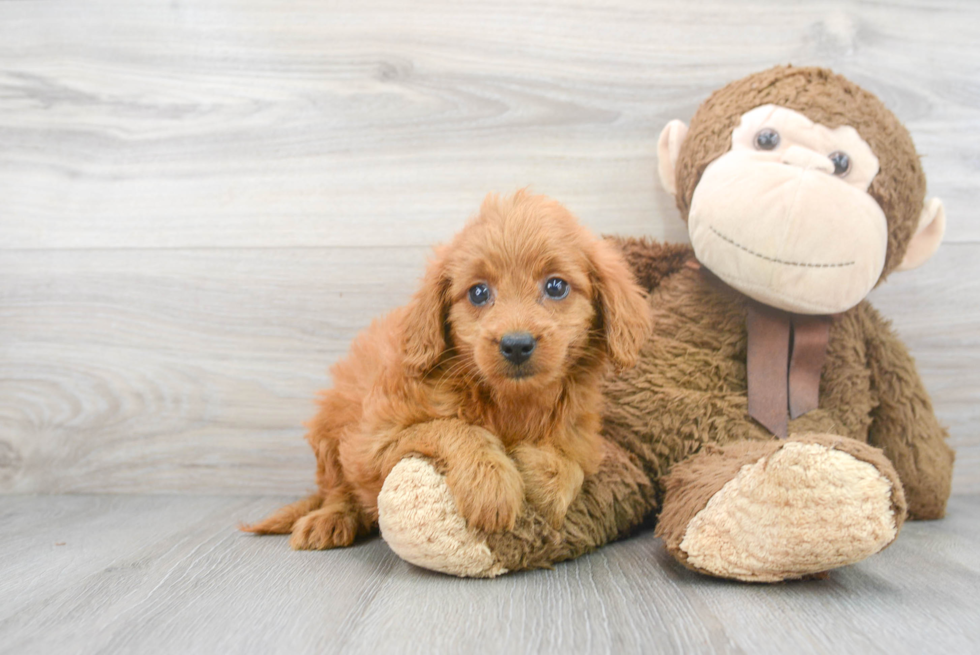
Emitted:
<point x="785" y="356"/>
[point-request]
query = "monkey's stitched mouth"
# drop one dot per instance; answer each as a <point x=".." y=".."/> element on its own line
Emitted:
<point x="774" y="259"/>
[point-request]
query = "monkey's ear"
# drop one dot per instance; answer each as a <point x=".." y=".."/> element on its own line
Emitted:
<point x="668" y="150"/>
<point x="424" y="326"/>
<point x="625" y="314"/>
<point x="928" y="235"/>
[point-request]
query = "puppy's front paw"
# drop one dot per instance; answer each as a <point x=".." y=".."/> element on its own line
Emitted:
<point x="489" y="493"/>
<point x="551" y="481"/>
<point x="553" y="503"/>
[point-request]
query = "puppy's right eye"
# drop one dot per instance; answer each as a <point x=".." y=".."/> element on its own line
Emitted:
<point x="479" y="294"/>
<point x="556" y="288"/>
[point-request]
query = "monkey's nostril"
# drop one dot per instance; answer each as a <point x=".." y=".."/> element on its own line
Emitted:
<point x="516" y="347"/>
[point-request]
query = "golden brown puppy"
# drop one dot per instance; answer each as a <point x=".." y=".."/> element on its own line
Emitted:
<point x="492" y="370"/>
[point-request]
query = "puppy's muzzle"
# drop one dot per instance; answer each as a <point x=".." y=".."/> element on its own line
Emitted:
<point x="516" y="347"/>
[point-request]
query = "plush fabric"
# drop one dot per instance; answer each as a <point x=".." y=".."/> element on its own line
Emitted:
<point x="832" y="101"/>
<point x="731" y="499"/>
<point x="419" y="520"/>
<point x="763" y="511"/>
<point x="689" y="386"/>
<point x="687" y="397"/>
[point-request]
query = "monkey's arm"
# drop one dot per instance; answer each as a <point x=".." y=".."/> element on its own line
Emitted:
<point x="904" y="424"/>
<point x="420" y="523"/>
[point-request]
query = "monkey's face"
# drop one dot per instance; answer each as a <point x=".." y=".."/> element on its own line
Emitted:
<point x="785" y="216"/>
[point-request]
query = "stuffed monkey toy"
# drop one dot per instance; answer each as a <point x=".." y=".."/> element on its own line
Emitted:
<point x="775" y="424"/>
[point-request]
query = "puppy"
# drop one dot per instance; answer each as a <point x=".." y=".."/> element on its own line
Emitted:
<point x="492" y="370"/>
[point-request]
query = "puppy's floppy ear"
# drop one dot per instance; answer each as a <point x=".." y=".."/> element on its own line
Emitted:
<point x="625" y="314"/>
<point x="424" y="327"/>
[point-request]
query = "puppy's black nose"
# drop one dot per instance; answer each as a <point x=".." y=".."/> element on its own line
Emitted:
<point x="516" y="347"/>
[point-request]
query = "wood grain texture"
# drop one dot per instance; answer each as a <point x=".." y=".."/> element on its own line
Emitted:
<point x="182" y="371"/>
<point x="202" y="203"/>
<point x="253" y="123"/>
<point x="192" y="371"/>
<point x="169" y="574"/>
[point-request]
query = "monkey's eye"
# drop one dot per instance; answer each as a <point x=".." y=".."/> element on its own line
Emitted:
<point x="767" y="139"/>
<point x="556" y="288"/>
<point x="842" y="163"/>
<point x="479" y="294"/>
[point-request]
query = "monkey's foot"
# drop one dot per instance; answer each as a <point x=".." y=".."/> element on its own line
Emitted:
<point x="779" y="510"/>
<point x="420" y="522"/>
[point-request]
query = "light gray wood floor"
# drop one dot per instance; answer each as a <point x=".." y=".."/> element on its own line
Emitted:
<point x="170" y="574"/>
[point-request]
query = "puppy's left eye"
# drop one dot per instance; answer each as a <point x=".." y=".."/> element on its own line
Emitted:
<point x="479" y="294"/>
<point x="556" y="288"/>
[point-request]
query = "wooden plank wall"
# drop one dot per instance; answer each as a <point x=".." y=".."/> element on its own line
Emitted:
<point x="202" y="202"/>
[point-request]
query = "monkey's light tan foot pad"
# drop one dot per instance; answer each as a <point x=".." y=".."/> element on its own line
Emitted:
<point x="420" y="522"/>
<point x="803" y="509"/>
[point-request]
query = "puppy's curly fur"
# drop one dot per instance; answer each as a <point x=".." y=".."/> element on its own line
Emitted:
<point x="433" y="378"/>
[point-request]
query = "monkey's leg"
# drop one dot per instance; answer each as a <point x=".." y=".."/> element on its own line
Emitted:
<point x="765" y="511"/>
<point x="420" y="522"/>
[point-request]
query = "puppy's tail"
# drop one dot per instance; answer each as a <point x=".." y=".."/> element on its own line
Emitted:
<point x="284" y="519"/>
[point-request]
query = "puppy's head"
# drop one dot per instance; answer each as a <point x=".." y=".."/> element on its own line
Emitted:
<point x="522" y="296"/>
